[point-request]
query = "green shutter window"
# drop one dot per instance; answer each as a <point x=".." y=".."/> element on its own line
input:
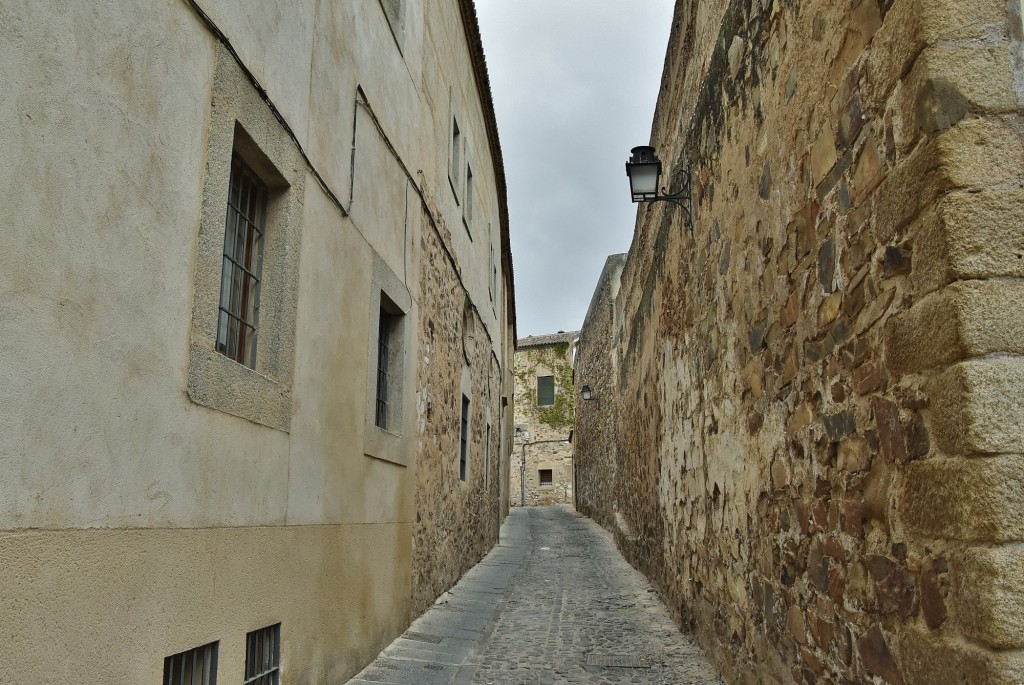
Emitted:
<point x="545" y="391"/>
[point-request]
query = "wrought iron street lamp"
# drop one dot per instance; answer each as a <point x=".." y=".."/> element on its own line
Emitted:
<point x="587" y="393"/>
<point x="644" y="172"/>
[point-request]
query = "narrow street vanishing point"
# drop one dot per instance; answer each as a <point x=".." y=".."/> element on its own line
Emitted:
<point x="554" y="602"/>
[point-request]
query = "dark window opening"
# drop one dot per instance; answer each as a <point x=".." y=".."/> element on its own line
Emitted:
<point x="545" y="477"/>
<point x="487" y="458"/>
<point x="243" y="264"/>
<point x="263" y="656"/>
<point x="456" y="156"/>
<point x="385" y="351"/>
<point x="545" y="391"/>
<point x="464" y="439"/>
<point x="192" y="667"/>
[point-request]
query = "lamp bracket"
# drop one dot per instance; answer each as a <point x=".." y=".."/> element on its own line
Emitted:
<point x="682" y="197"/>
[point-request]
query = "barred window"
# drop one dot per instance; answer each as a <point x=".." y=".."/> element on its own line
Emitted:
<point x="192" y="667"/>
<point x="385" y="345"/>
<point x="546" y="477"/>
<point x="263" y="656"/>
<point x="243" y="264"/>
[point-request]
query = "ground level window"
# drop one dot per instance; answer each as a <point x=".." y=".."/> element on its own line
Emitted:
<point x="545" y="477"/>
<point x="193" y="667"/>
<point x="263" y="656"/>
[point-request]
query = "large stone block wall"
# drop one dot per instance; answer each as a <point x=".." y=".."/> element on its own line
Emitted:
<point x="820" y="423"/>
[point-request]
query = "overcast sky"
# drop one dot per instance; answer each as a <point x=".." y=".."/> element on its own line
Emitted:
<point x="574" y="85"/>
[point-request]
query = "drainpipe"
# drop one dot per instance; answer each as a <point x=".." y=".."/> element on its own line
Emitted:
<point x="522" y="477"/>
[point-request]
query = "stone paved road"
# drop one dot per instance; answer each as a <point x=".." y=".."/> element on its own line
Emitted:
<point x="554" y="602"/>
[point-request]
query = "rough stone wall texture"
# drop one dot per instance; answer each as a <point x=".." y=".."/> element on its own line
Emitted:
<point x="548" y="426"/>
<point x="457" y="521"/>
<point x="819" y="416"/>
<point x="595" y="447"/>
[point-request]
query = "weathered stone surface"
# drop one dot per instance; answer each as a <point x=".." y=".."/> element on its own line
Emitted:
<point x="928" y="658"/>
<point x="965" y="319"/>
<point x="877" y="657"/>
<point x="933" y="604"/>
<point x="798" y="402"/>
<point x="986" y="597"/>
<point x="978" y="499"/>
<point x="543" y="472"/>
<point x="971" y="413"/>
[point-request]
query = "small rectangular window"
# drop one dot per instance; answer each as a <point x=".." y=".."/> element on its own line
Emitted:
<point x="493" y="283"/>
<point x="545" y="391"/>
<point x="263" y="656"/>
<point x="243" y="264"/>
<point x="487" y="458"/>
<point x="545" y="477"/>
<point x="385" y="344"/>
<point x="468" y="215"/>
<point x="464" y="439"/>
<point x="455" y="169"/>
<point x="192" y="667"/>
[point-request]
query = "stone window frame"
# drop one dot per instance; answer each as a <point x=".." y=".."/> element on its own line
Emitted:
<point x="388" y="294"/>
<point x="242" y="123"/>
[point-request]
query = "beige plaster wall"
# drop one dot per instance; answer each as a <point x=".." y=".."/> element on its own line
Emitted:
<point x="116" y="480"/>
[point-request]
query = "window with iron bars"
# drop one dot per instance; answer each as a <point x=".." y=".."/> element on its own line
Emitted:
<point x="243" y="263"/>
<point x="192" y="667"/>
<point x="263" y="656"/>
<point x="385" y="342"/>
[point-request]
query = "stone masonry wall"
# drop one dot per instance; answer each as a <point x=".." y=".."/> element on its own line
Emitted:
<point x="548" y="427"/>
<point x="594" y="440"/>
<point x="457" y="521"/>
<point x="820" y="423"/>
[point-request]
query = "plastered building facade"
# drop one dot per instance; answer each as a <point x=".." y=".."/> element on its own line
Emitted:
<point x="315" y="447"/>
<point x="818" y="419"/>
<point x="542" y="472"/>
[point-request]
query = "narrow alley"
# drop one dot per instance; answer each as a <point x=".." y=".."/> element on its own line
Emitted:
<point x="554" y="602"/>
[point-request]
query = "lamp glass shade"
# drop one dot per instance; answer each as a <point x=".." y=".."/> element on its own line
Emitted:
<point x="644" y="170"/>
<point x="643" y="181"/>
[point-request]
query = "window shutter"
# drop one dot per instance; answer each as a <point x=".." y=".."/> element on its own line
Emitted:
<point x="545" y="391"/>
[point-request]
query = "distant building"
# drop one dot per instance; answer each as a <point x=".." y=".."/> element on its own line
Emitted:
<point x="542" y="472"/>
<point x="257" y="314"/>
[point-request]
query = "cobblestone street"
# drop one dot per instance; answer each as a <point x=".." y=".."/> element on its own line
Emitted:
<point x="554" y="602"/>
